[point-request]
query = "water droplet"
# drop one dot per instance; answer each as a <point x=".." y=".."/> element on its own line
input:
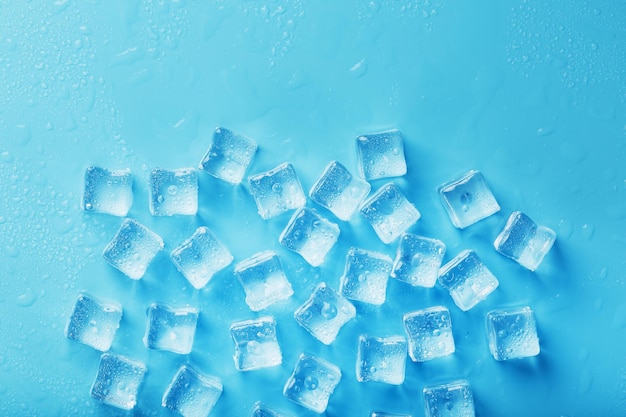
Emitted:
<point x="588" y="231"/>
<point x="277" y="188"/>
<point x="27" y="299"/>
<point x="160" y="199"/>
<point x="329" y="311"/>
<point x="172" y="190"/>
<point x="88" y="206"/>
<point x="311" y="382"/>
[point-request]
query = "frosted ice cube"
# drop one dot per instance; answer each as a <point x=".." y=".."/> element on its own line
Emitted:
<point x="429" y="332"/>
<point x="256" y="344"/>
<point x="171" y="329"/>
<point x="118" y="380"/>
<point x="468" y="199"/>
<point x="133" y="248"/>
<point x="200" y="257"/>
<point x="381" y="414"/>
<point x="418" y="260"/>
<point x="173" y="192"/>
<point x="324" y="313"/>
<point x="109" y="192"/>
<point x="312" y="382"/>
<point x="277" y="191"/>
<point x="467" y="279"/>
<point x="338" y="191"/>
<point x="365" y="276"/>
<point x="263" y="280"/>
<point x="229" y="156"/>
<point x="260" y="410"/>
<point x="524" y="241"/>
<point x="389" y="212"/>
<point x="381" y="155"/>
<point x="453" y="399"/>
<point x="309" y="235"/>
<point x="381" y="359"/>
<point x="512" y="333"/>
<point x="94" y="322"/>
<point x="192" y="394"/>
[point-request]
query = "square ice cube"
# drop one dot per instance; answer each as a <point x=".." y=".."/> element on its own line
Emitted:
<point x="94" y="322"/>
<point x="338" y="191"/>
<point x="118" y="380"/>
<point x="524" y="241"/>
<point x="200" y="257"/>
<point x="429" y="332"/>
<point x="324" y="313"/>
<point x="133" y="248"/>
<point x="173" y="192"/>
<point x="256" y="344"/>
<point x="512" y="334"/>
<point x="192" y="394"/>
<point x="389" y="212"/>
<point x="277" y="191"/>
<point x="309" y="235"/>
<point x="263" y="280"/>
<point x="171" y="329"/>
<point x="109" y="192"/>
<point x="468" y="199"/>
<point x="365" y="276"/>
<point x="381" y="359"/>
<point x="467" y="279"/>
<point x="260" y="410"/>
<point x="229" y="156"/>
<point x="418" y="260"/>
<point x="312" y="382"/>
<point x="453" y="399"/>
<point x="381" y="155"/>
<point x="381" y="414"/>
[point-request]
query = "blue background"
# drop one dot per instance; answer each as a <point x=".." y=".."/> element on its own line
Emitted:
<point x="532" y="93"/>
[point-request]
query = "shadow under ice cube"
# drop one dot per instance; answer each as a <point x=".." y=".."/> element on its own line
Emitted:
<point x="263" y="280"/>
<point x="171" y="329"/>
<point x="381" y="359"/>
<point x="418" y="260"/>
<point x="512" y="334"/>
<point x="429" y="332"/>
<point x="173" y="192"/>
<point x="365" y="276"/>
<point x="94" y="322"/>
<point x="453" y="399"/>
<point x="381" y="155"/>
<point x="229" y="156"/>
<point x="109" y="192"/>
<point x="277" y="191"/>
<point x="118" y="380"/>
<point x="256" y="344"/>
<point x="192" y="394"/>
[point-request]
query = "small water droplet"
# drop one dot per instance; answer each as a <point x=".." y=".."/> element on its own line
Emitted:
<point x="277" y="188"/>
<point x="172" y="190"/>
<point x="160" y="199"/>
<point x="329" y="311"/>
<point x="311" y="382"/>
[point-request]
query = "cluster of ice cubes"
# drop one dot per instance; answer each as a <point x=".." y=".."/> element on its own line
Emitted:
<point x="418" y="262"/>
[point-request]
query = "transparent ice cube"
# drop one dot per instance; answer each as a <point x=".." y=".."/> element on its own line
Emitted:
<point x="453" y="399"/>
<point x="418" y="260"/>
<point x="192" y="394"/>
<point x="263" y="280"/>
<point x="338" y="191"/>
<point x="467" y="279"/>
<point x="94" y="322"/>
<point x="229" y="156"/>
<point x="200" y="257"/>
<point x="277" y="191"/>
<point x="468" y="199"/>
<point x="173" y="192"/>
<point x="312" y="382"/>
<point x="171" y="328"/>
<point x="256" y="344"/>
<point x="429" y="332"/>
<point x="381" y="359"/>
<point x="118" y="380"/>
<point x="109" y="192"/>
<point x="133" y="248"/>
<point x="389" y="212"/>
<point x="365" y="276"/>
<point x="524" y="241"/>
<point x="512" y="333"/>
<point x="381" y="155"/>
<point x="260" y="410"/>
<point x="309" y="235"/>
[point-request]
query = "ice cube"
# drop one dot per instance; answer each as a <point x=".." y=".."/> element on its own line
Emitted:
<point x="338" y="191"/>
<point x="118" y="380"/>
<point x="263" y="280"/>
<point x="468" y="199"/>
<point x="173" y="192"/>
<point x="133" y="248"/>
<point x="192" y="394"/>
<point x="453" y="399"/>
<point x="429" y="332"/>
<point x="170" y="328"/>
<point x="229" y="156"/>
<point x="256" y="344"/>
<point x="365" y="276"/>
<point x="324" y="313"/>
<point x="277" y="191"/>
<point x="312" y="382"/>
<point x="94" y="322"/>
<point x="389" y="212"/>
<point x="200" y="257"/>
<point x="381" y="414"/>
<point x="260" y="410"/>
<point x="381" y="155"/>
<point x="418" y="260"/>
<point x="109" y="192"/>
<point x="524" y="241"/>
<point x="512" y="333"/>
<point x="381" y="359"/>
<point x="467" y="279"/>
<point x="309" y="235"/>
